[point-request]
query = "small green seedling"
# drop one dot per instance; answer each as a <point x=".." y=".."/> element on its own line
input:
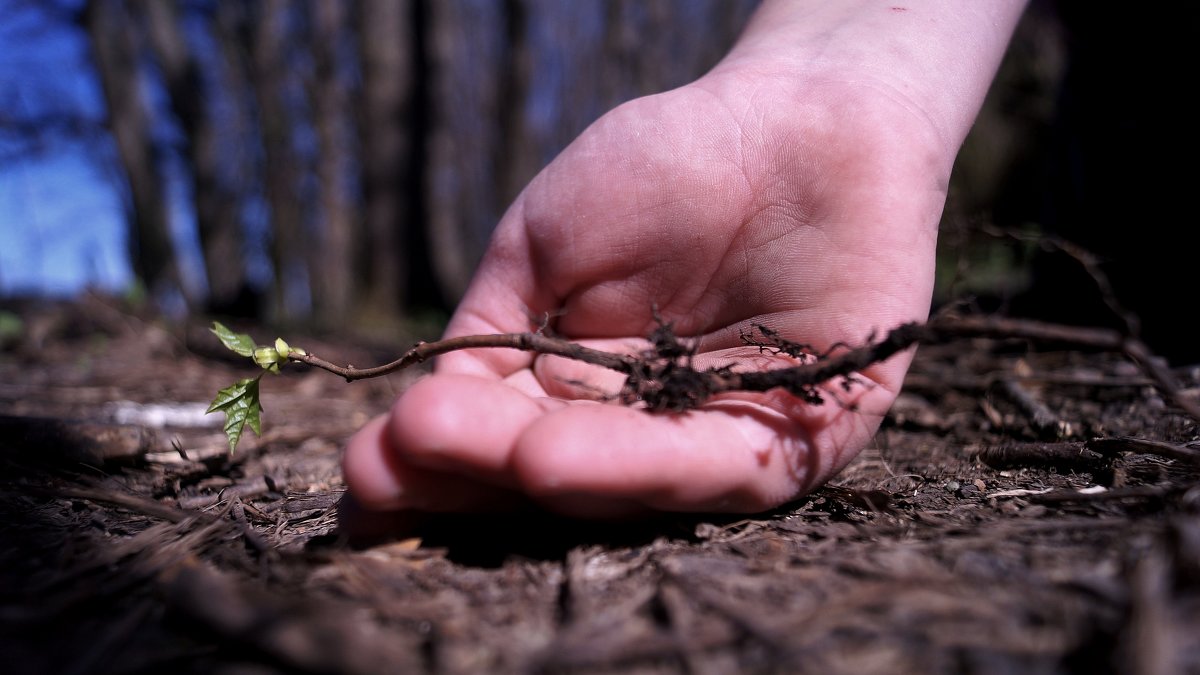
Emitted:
<point x="240" y="401"/>
<point x="662" y="379"/>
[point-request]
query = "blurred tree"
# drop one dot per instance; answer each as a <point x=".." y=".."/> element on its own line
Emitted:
<point x="267" y="33"/>
<point x="332" y="260"/>
<point x="515" y="159"/>
<point x="347" y="160"/>
<point x="115" y="46"/>
<point x="465" y="104"/>
<point x="213" y="198"/>
<point x="391" y="122"/>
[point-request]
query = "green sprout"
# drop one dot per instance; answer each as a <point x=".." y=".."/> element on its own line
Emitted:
<point x="240" y="401"/>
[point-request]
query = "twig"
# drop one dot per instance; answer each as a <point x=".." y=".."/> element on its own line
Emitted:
<point x="1090" y="263"/>
<point x="1108" y="446"/>
<point x="664" y="379"/>
<point x="1095" y="338"/>
<point x="922" y="382"/>
<point x="1067" y="455"/>
<point x="528" y="342"/>
<point x="1044" y="422"/>
<point x="256" y="486"/>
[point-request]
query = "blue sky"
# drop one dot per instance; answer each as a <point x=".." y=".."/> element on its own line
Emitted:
<point x="61" y="224"/>
<point x="61" y="228"/>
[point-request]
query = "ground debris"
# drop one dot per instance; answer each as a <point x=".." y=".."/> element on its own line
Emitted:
<point x="964" y="540"/>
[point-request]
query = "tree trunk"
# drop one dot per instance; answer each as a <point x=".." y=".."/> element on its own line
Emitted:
<point x="268" y="35"/>
<point x="387" y="115"/>
<point x="215" y="202"/>
<point x="114" y="48"/>
<point x="333" y="266"/>
<point x="467" y="63"/>
<point x="516" y="157"/>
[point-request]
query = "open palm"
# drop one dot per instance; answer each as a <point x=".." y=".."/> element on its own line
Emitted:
<point x="810" y="207"/>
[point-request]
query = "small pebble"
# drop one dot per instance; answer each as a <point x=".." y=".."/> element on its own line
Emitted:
<point x="952" y="486"/>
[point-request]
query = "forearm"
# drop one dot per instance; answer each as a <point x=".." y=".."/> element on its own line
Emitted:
<point x="938" y="56"/>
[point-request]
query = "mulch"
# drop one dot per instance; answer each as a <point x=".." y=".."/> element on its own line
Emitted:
<point x="1020" y="511"/>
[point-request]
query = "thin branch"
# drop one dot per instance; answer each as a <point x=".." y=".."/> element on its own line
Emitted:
<point x="664" y="379"/>
<point x="1095" y="338"/>
<point x="528" y="342"/>
<point x="1072" y="455"/>
<point x="1172" y="451"/>
<point x="1044" y="422"/>
<point x="1086" y="259"/>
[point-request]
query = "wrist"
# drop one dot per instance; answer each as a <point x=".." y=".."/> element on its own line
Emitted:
<point x="934" y="58"/>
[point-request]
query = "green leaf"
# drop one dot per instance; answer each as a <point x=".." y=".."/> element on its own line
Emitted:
<point x="239" y="343"/>
<point x="241" y="405"/>
<point x="229" y="395"/>
<point x="282" y="347"/>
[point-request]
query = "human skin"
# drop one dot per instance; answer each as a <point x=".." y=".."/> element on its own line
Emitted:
<point x="797" y="185"/>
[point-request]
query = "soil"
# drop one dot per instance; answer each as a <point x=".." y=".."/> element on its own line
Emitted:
<point x="1021" y="511"/>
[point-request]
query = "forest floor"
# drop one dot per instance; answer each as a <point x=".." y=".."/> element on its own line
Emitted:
<point x="1021" y="511"/>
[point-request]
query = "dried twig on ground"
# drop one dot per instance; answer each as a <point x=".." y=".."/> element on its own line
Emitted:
<point x="1072" y="456"/>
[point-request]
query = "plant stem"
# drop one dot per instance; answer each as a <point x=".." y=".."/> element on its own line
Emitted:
<point x="670" y="383"/>
<point x="528" y="342"/>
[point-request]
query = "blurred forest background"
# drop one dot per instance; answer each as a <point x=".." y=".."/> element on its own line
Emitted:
<point x="338" y="163"/>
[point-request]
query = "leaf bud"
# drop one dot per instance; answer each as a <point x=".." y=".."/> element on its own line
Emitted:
<point x="266" y="356"/>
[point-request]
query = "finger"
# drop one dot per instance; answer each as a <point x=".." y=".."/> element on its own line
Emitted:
<point x="381" y="481"/>
<point x="463" y="424"/>
<point x="737" y="456"/>
<point x="743" y="451"/>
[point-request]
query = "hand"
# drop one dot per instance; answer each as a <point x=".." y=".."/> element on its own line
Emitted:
<point x="768" y="193"/>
